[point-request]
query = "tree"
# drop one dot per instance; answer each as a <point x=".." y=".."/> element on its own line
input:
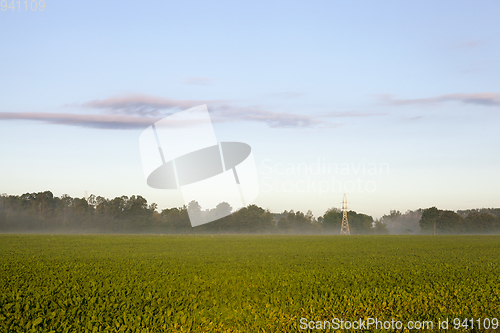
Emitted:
<point x="3" y="219"/>
<point x="435" y="221"/>
<point x="252" y="219"/>
<point x="380" y="227"/>
<point x="477" y="222"/>
<point x="284" y="224"/>
<point x="221" y="210"/>
<point x="298" y="222"/>
<point x="332" y="220"/>
<point x="359" y="223"/>
<point x="429" y="219"/>
<point x="449" y="222"/>
<point x="177" y="219"/>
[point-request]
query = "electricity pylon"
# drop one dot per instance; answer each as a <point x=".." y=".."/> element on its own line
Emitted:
<point x="344" y="229"/>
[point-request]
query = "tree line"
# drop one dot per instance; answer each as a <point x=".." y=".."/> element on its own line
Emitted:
<point x="43" y="212"/>
<point x="473" y="221"/>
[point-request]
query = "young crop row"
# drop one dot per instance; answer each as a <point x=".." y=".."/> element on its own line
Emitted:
<point x="240" y="283"/>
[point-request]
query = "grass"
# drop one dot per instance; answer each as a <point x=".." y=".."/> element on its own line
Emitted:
<point x="240" y="283"/>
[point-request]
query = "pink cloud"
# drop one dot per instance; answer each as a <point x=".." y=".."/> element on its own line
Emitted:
<point x="484" y="99"/>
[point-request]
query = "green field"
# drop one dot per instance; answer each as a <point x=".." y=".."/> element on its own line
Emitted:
<point x="230" y="283"/>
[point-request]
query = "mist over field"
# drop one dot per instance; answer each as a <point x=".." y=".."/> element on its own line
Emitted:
<point x="43" y="213"/>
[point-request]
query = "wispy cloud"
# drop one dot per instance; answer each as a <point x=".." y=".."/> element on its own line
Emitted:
<point x="286" y="95"/>
<point x="483" y="99"/>
<point x="139" y="111"/>
<point x="273" y="119"/>
<point x="469" y="44"/>
<point x="198" y="80"/>
<point x="415" y="118"/>
<point x="221" y="110"/>
<point x="354" y="114"/>
<point x="83" y="120"/>
<point x="143" y="105"/>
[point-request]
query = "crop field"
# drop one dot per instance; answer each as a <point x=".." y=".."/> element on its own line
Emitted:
<point x="241" y="283"/>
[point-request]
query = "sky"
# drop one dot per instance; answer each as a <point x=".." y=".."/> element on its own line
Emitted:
<point x="395" y="103"/>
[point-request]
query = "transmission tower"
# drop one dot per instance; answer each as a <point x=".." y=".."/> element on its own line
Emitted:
<point x="344" y="229"/>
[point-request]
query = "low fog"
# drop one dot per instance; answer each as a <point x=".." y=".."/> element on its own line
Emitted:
<point x="42" y="212"/>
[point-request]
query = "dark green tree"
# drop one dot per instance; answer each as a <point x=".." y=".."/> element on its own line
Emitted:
<point x="449" y="222"/>
<point x="177" y="219"/>
<point x="331" y="220"/>
<point x="359" y="223"/>
<point x="480" y="223"/>
<point x="428" y="221"/>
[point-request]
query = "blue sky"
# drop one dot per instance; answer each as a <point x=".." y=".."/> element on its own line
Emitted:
<point x="397" y="102"/>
